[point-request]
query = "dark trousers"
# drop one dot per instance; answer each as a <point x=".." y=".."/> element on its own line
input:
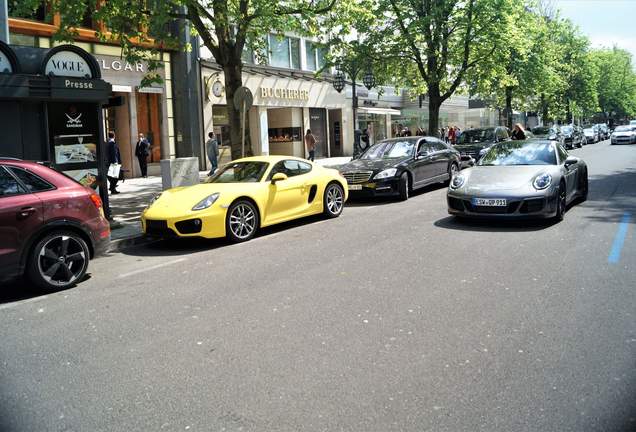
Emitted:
<point x="312" y="153"/>
<point x="112" y="182"/>
<point x="143" y="164"/>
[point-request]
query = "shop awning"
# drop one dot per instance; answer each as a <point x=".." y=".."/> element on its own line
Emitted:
<point x="380" y="111"/>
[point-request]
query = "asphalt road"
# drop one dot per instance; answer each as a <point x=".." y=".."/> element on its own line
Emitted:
<point x="394" y="317"/>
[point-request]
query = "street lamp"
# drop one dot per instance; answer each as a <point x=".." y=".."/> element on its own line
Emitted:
<point x="353" y="67"/>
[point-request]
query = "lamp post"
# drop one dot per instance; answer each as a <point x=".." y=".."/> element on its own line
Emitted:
<point x="352" y="68"/>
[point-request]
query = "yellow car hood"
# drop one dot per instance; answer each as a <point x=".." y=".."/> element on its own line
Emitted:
<point x="180" y="200"/>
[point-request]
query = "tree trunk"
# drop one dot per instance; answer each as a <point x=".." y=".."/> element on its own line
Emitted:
<point x="544" y="109"/>
<point x="568" y="113"/>
<point x="508" y="108"/>
<point x="434" y="104"/>
<point x="233" y="81"/>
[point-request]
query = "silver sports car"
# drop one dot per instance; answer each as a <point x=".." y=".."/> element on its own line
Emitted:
<point x="519" y="179"/>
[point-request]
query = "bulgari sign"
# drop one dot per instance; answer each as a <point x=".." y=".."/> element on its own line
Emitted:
<point x="284" y="93"/>
<point x="120" y="65"/>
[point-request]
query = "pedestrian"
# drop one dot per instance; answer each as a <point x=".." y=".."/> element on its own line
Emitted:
<point x="518" y="133"/>
<point x="113" y="158"/>
<point x="142" y="151"/>
<point x="212" y="147"/>
<point x="310" y="143"/>
<point x="451" y="135"/>
<point x="458" y="133"/>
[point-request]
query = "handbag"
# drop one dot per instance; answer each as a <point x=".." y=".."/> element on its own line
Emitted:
<point x="113" y="170"/>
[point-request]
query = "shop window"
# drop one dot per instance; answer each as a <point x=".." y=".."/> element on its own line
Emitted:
<point x="284" y="52"/>
<point x="27" y="10"/>
<point x="247" y="56"/>
<point x="23" y="40"/>
<point x="315" y="56"/>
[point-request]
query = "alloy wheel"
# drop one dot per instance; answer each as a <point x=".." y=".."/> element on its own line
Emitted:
<point x="242" y="221"/>
<point x="61" y="260"/>
<point x="335" y="199"/>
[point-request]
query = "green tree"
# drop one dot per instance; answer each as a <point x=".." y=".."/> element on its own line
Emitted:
<point x="228" y="28"/>
<point x="617" y="87"/>
<point x="433" y="45"/>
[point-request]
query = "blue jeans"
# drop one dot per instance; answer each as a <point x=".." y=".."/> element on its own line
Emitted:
<point x="214" y="164"/>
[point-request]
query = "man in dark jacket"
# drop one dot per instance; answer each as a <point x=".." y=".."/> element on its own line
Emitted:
<point x="142" y="151"/>
<point x="113" y="158"/>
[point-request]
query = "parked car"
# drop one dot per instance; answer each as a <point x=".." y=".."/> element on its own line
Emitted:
<point x="50" y="225"/>
<point x="632" y="122"/>
<point x="246" y="195"/>
<point x="547" y="132"/>
<point x="573" y="136"/>
<point x="397" y="166"/>
<point x="603" y="130"/>
<point x="473" y="142"/>
<point x="624" y="135"/>
<point x="591" y="135"/>
<point x="519" y="179"/>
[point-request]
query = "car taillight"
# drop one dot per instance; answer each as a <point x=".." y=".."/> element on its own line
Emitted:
<point x="96" y="200"/>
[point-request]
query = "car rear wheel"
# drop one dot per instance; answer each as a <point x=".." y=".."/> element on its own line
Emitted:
<point x="403" y="187"/>
<point x="333" y="200"/>
<point x="241" y="221"/>
<point x="561" y="203"/>
<point x="58" y="261"/>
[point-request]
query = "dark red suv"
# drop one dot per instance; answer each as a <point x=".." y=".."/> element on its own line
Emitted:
<point x="50" y="225"/>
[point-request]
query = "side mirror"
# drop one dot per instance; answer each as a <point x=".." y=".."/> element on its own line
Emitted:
<point x="278" y="177"/>
<point x="571" y="160"/>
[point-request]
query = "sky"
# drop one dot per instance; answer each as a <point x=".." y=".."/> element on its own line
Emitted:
<point x="605" y="22"/>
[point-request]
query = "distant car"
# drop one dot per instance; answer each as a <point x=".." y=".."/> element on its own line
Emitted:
<point x="519" y="179"/>
<point x="572" y="136"/>
<point x="547" y="133"/>
<point x="50" y="225"/>
<point x="603" y="131"/>
<point x="472" y="142"/>
<point x="624" y="135"/>
<point x="244" y="196"/>
<point x="397" y="166"/>
<point x="591" y="135"/>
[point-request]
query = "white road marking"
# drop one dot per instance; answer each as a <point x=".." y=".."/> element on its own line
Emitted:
<point x="21" y="302"/>
<point x="150" y="268"/>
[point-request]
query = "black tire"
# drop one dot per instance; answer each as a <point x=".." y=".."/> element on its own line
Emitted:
<point x="584" y="187"/>
<point x="403" y="187"/>
<point x="561" y="203"/>
<point x="333" y="200"/>
<point x="58" y="261"/>
<point x="242" y="221"/>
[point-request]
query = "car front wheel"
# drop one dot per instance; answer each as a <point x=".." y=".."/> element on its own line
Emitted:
<point x="241" y="221"/>
<point x="58" y="261"/>
<point x="561" y="203"/>
<point x="333" y="200"/>
<point x="403" y="187"/>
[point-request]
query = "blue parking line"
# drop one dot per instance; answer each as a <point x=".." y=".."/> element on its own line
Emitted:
<point x="615" y="253"/>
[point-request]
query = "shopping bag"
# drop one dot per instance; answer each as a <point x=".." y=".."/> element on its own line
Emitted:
<point x="113" y="170"/>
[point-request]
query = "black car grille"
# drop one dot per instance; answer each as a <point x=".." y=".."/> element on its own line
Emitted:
<point x="357" y="176"/>
<point x="472" y="153"/>
<point x="532" y="205"/>
<point x="159" y="228"/>
<point x="510" y="208"/>
<point x="190" y="226"/>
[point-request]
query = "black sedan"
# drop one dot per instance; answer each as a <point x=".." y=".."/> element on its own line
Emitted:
<point x="573" y="136"/>
<point x="395" y="167"/>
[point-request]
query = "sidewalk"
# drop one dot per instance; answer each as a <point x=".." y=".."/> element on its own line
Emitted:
<point x="135" y="195"/>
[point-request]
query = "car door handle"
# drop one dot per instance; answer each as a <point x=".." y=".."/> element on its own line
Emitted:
<point x="25" y="212"/>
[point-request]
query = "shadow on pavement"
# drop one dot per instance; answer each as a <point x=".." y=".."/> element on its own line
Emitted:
<point x="611" y="196"/>
<point x="21" y="289"/>
<point x="384" y="200"/>
<point x="492" y="225"/>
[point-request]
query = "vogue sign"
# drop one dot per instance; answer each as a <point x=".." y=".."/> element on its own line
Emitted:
<point x="68" y="63"/>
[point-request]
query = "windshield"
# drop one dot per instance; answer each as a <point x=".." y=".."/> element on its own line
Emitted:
<point x="476" y="136"/>
<point x="240" y="172"/>
<point x="566" y="129"/>
<point x="390" y="150"/>
<point x="520" y="153"/>
<point x="623" y="129"/>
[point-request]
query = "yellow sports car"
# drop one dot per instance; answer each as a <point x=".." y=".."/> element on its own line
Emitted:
<point x="245" y="195"/>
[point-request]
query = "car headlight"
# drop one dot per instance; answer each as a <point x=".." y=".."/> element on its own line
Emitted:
<point x="387" y="173"/>
<point x="457" y="181"/>
<point x="542" y="181"/>
<point x="206" y="202"/>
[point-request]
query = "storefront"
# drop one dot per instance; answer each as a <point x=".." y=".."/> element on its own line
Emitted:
<point x="50" y="110"/>
<point x="143" y="110"/>
<point x="286" y="104"/>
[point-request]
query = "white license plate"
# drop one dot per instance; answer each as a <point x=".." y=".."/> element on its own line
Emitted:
<point x="490" y="202"/>
<point x="355" y="187"/>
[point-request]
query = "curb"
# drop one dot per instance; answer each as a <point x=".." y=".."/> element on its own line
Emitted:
<point x="128" y="242"/>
